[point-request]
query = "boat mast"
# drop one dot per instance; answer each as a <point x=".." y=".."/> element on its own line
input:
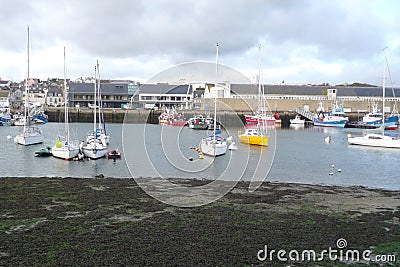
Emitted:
<point x="26" y="90"/>
<point x="261" y="100"/>
<point x="66" y="119"/>
<point x="94" y="101"/>
<point x="215" y="92"/>
<point x="383" y="87"/>
<point x="99" y="95"/>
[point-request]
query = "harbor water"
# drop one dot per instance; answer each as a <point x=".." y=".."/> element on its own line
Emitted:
<point x="301" y="156"/>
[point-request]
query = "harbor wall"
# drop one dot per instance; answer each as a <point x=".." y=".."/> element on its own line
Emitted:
<point x="225" y="117"/>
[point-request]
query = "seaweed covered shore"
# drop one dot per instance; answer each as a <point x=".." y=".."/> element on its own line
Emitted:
<point x="112" y="222"/>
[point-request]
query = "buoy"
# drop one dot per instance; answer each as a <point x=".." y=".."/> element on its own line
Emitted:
<point x="233" y="146"/>
<point x="332" y="166"/>
<point x="190" y="159"/>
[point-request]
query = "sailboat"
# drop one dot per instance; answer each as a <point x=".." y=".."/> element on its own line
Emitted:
<point x="96" y="146"/>
<point x="102" y="122"/>
<point x="256" y="135"/>
<point x="31" y="135"/>
<point x="214" y="144"/>
<point x="64" y="148"/>
<point x="377" y="139"/>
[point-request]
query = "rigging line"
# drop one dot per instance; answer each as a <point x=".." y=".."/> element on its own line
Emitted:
<point x="391" y="82"/>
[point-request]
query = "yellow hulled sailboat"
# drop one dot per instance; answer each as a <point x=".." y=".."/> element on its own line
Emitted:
<point x="254" y="136"/>
<point x="257" y="135"/>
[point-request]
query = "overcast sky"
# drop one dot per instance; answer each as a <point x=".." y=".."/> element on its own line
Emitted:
<point x="310" y="41"/>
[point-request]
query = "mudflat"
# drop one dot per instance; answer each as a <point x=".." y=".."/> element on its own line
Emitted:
<point x="113" y="222"/>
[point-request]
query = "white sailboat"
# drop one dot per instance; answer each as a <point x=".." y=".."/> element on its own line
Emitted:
<point x="102" y="124"/>
<point x="377" y="138"/>
<point x="31" y="135"/>
<point x="96" y="146"/>
<point x="64" y="148"/>
<point x="214" y="145"/>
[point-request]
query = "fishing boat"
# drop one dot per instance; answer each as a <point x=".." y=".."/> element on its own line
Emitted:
<point x="377" y="137"/>
<point x="374" y="118"/>
<point x="64" y="148"/>
<point x="5" y="117"/>
<point x="297" y="120"/>
<point x="262" y="117"/>
<point x="197" y="122"/>
<point x="31" y="135"/>
<point x="171" y="117"/>
<point x="95" y="146"/>
<point x="257" y="135"/>
<point x="214" y="144"/>
<point x="334" y="118"/>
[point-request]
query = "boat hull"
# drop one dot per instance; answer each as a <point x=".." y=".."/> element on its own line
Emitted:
<point x="31" y="136"/>
<point x="94" y="153"/>
<point x="328" y="123"/>
<point x="260" y="120"/>
<point x="213" y="148"/>
<point x="254" y="140"/>
<point x="374" y="140"/>
<point x="66" y="153"/>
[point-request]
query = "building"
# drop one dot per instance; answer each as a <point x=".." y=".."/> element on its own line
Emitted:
<point x="166" y="95"/>
<point x="114" y="94"/>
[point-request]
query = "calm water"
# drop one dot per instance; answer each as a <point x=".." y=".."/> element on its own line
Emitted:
<point x="301" y="156"/>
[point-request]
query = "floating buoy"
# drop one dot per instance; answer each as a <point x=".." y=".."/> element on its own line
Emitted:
<point x="199" y="152"/>
<point x="328" y="139"/>
<point x="233" y="146"/>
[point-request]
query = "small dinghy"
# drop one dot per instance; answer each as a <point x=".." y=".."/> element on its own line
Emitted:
<point x="114" y="154"/>
<point x="43" y="152"/>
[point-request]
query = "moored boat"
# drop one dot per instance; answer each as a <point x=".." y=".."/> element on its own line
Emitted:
<point x="370" y="138"/>
<point x="253" y="136"/>
<point x="64" y="148"/>
<point x="297" y="120"/>
<point x="96" y="145"/>
<point x="334" y="118"/>
<point x="114" y="154"/>
<point x="197" y="122"/>
<point x="43" y="152"/>
<point x="31" y="135"/>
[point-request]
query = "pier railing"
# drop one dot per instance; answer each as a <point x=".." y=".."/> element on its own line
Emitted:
<point x="305" y="113"/>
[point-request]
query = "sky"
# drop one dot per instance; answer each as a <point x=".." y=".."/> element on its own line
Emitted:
<point x="302" y="41"/>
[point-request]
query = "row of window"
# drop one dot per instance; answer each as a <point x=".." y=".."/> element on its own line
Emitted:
<point x="164" y="98"/>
